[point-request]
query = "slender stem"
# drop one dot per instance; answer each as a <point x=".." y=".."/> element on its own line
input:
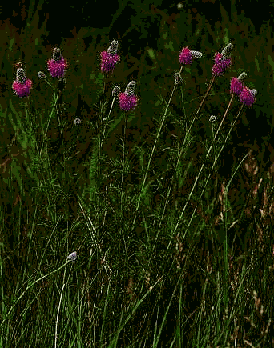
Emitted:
<point x="207" y="92"/>
<point x="124" y="160"/>
<point x="155" y="143"/>
<point x="225" y="253"/>
<point x="59" y="305"/>
<point x="30" y="286"/>
<point x="229" y="104"/>
<point x="201" y="169"/>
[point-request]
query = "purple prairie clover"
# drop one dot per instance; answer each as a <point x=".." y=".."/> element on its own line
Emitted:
<point x="221" y="64"/>
<point x="110" y="57"/>
<point x="247" y="96"/>
<point x="128" y="100"/>
<point x="236" y="86"/>
<point x="57" y="65"/>
<point x="22" y="85"/>
<point x="186" y="56"/>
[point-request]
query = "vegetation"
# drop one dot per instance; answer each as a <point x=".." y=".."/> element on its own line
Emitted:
<point x="121" y="231"/>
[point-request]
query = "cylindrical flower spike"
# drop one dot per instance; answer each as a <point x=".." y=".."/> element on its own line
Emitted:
<point x="128" y="100"/>
<point x="22" y="85"/>
<point x="236" y="86"/>
<point x="185" y="56"/>
<point x="110" y="57"/>
<point x="247" y="96"/>
<point x="57" y="65"/>
<point x="221" y="64"/>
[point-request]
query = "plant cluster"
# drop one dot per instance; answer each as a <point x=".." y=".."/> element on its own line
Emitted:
<point x="165" y="251"/>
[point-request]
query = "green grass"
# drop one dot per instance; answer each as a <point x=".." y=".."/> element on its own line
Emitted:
<point x="171" y="253"/>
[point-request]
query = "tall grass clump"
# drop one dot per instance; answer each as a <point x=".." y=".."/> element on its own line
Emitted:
<point x="165" y="256"/>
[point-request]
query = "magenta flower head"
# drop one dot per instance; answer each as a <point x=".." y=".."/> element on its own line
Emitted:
<point x="21" y="85"/>
<point x="110" y="57"/>
<point x="57" y="65"/>
<point x="128" y="100"/>
<point x="186" y="56"/>
<point x="237" y="85"/>
<point x="247" y="96"/>
<point x="222" y="61"/>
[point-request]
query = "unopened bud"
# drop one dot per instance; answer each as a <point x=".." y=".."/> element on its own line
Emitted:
<point x="227" y="51"/>
<point x="21" y="75"/>
<point x="113" y="48"/>
<point x="72" y="256"/>
<point x="56" y="54"/>
<point x="41" y="75"/>
<point x="130" y="88"/>
<point x="116" y="91"/>
<point x="242" y="76"/>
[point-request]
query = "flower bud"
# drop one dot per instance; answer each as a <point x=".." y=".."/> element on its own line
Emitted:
<point x="116" y="90"/>
<point x="41" y="75"/>
<point x="72" y="256"/>
<point x="130" y="88"/>
<point x="227" y="51"/>
<point x="56" y="54"/>
<point x="113" y="48"/>
<point x="77" y="121"/>
<point x="21" y="75"/>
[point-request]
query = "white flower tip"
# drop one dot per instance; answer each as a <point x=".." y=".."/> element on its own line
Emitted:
<point x="196" y="54"/>
<point x="72" y="256"/>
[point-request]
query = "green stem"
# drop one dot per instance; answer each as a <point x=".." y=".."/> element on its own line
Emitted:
<point x="30" y="286"/>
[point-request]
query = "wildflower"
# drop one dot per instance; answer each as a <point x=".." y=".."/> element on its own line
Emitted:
<point x="247" y="96"/>
<point x="21" y="85"/>
<point x="110" y="57"/>
<point x="221" y="64"/>
<point x="128" y="100"/>
<point x="72" y="256"/>
<point x="236" y="86"/>
<point x="222" y="61"/>
<point x="185" y="56"/>
<point x="57" y="65"/>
